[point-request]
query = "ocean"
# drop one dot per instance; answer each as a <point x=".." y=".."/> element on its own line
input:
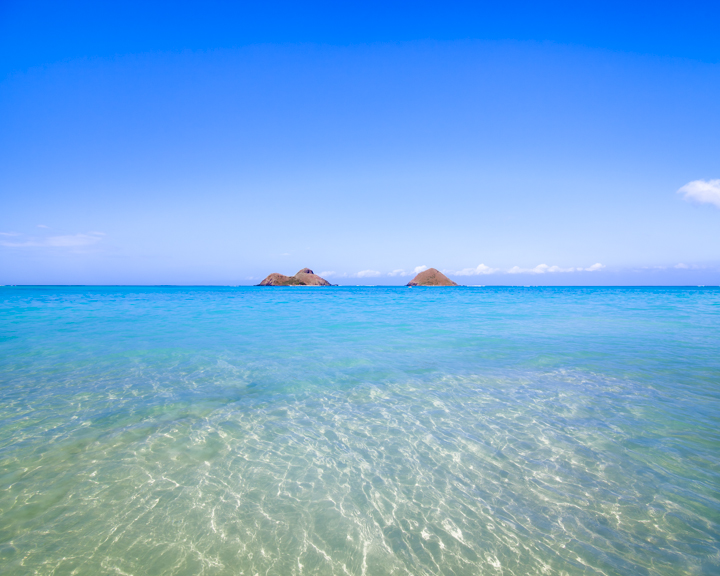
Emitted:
<point x="359" y="430"/>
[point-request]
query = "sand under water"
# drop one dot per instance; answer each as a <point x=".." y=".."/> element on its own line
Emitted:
<point x="523" y="431"/>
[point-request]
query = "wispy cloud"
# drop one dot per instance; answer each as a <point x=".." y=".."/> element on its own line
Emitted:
<point x="332" y="274"/>
<point x="66" y="241"/>
<point x="402" y="272"/>
<point x="544" y="268"/>
<point x="682" y="266"/>
<point x="74" y="240"/>
<point x="9" y="233"/>
<point x="477" y="271"/>
<point x="42" y="226"/>
<point x="702" y="192"/>
<point x="367" y="274"/>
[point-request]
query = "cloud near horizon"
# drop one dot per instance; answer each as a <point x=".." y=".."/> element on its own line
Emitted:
<point x="480" y="269"/>
<point x="702" y="192"/>
<point x="402" y="272"/>
<point x="683" y="266"/>
<point x="544" y="268"/>
<point x="367" y="274"/>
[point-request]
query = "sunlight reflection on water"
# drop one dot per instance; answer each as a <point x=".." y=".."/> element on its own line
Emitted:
<point x="359" y="431"/>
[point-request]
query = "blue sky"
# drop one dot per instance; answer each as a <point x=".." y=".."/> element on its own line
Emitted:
<point x="211" y="143"/>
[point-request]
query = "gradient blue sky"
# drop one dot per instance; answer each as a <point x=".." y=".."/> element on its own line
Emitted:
<point x="214" y="143"/>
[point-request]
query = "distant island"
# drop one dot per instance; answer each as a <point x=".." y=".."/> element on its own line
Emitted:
<point x="431" y="277"/>
<point x="305" y="277"/>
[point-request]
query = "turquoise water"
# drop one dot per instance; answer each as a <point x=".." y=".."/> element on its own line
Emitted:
<point x="506" y="431"/>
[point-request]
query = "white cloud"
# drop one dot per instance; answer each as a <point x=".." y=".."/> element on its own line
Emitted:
<point x="401" y="272"/>
<point x="9" y="233"/>
<point x="702" y="191"/>
<point x="539" y="269"/>
<point x="68" y="241"/>
<point x="481" y="269"/>
<point x="332" y="274"/>
<point x="544" y="268"/>
<point x="367" y="274"/>
<point x="42" y="226"/>
<point x="682" y="266"/>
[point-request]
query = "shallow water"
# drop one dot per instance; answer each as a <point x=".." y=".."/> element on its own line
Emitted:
<point x="151" y="431"/>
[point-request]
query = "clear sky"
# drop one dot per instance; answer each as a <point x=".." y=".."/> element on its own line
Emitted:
<point x="503" y="143"/>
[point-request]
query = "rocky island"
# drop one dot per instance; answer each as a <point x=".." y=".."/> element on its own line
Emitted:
<point x="431" y="277"/>
<point x="305" y="277"/>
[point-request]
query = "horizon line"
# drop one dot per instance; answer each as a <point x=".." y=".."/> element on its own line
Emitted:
<point x="359" y="286"/>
